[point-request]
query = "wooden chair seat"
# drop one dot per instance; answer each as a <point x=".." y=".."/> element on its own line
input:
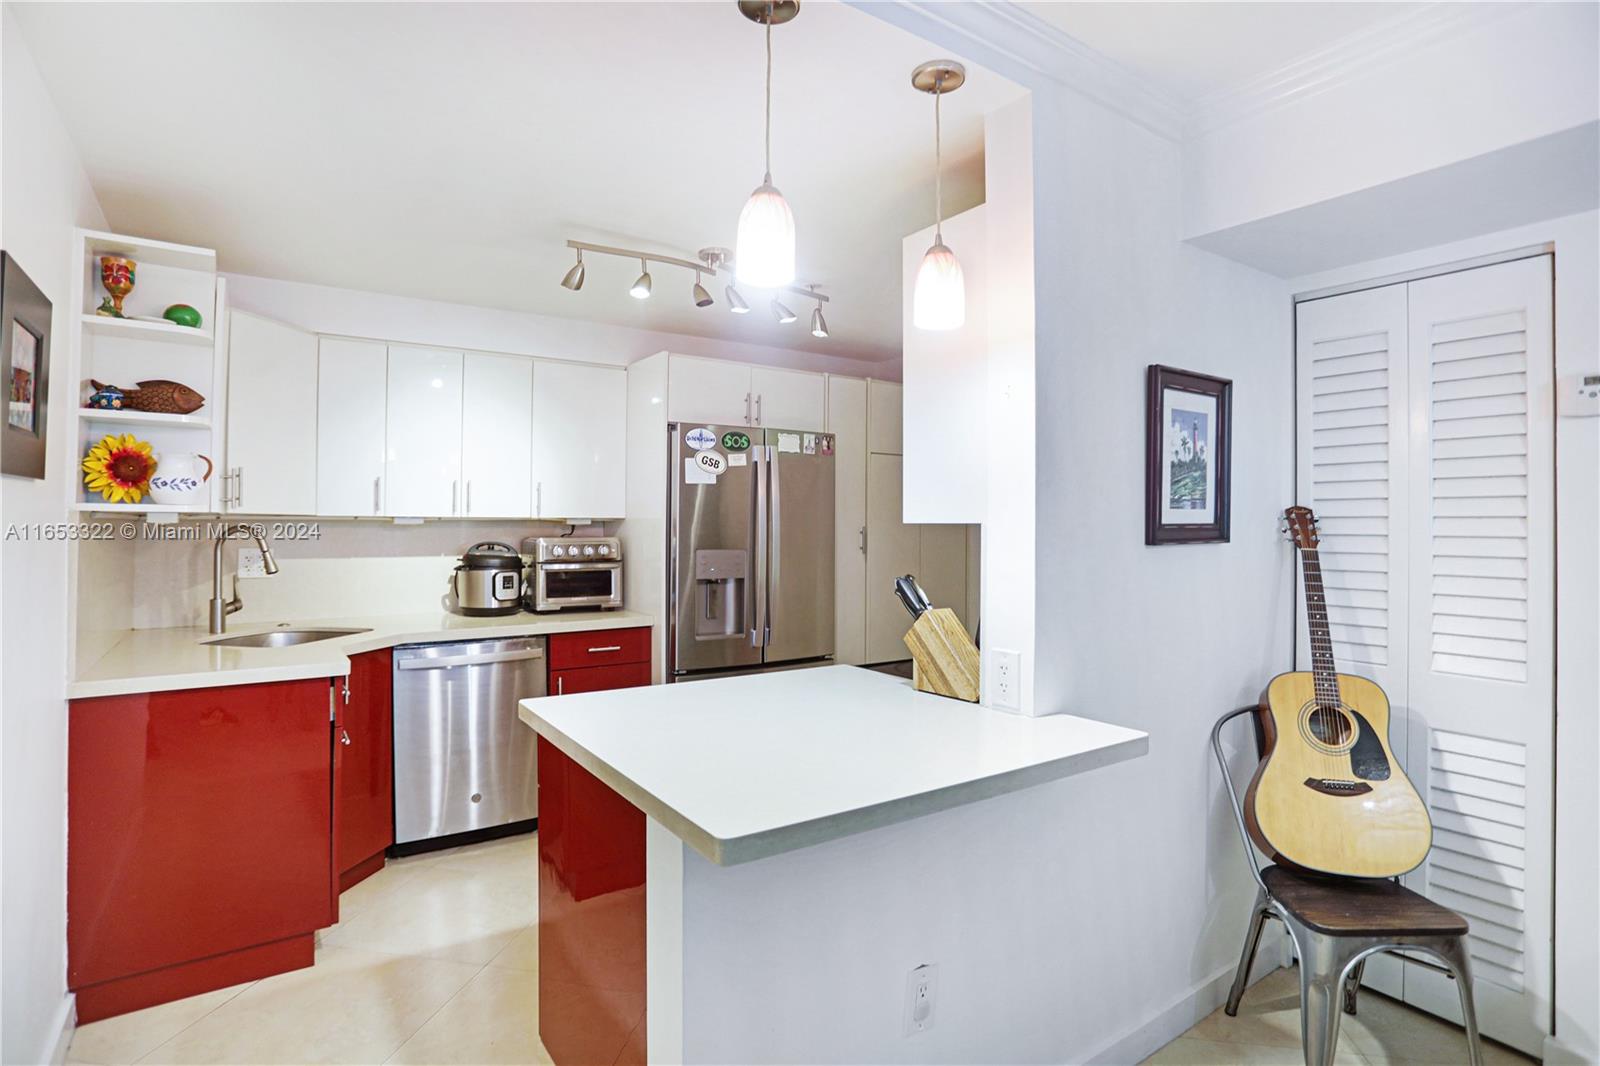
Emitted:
<point x="1359" y="907"/>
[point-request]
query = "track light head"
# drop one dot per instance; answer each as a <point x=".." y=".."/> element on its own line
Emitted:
<point x="641" y="284"/>
<point x="574" y="278"/>
<point x="819" y="325"/>
<point x="702" y="298"/>
<point x="782" y="313"/>
<point x="736" y="302"/>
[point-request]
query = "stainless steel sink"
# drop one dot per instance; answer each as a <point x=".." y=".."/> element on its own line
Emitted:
<point x="281" y="638"/>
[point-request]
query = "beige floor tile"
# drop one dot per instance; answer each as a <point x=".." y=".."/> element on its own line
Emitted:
<point x="494" y="1019"/>
<point x="442" y="913"/>
<point x="1269" y="1014"/>
<point x="1190" y="1051"/>
<point x="351" y="1007"/>
<point x="522" y="953"/>
<point x="127" y="1037"/>
<point x="515" y="858"/>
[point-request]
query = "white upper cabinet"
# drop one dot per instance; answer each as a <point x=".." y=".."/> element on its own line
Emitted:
<point x="579" y="440"/>
<point x="496" y="435"/>
<point x="884" y="399"/>
<point x="352" y="408"/>
<point x="272" y="417"/>
<point x="709" y="390"/>
<point x="422" y="475"/>
<point x="789" y="399"/>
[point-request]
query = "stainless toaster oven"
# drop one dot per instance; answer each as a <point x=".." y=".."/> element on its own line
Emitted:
<point x="574" y="572"/>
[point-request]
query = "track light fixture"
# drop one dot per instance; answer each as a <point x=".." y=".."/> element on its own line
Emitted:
<point x="736" y="302"/>
<point x="641" y="284"/>
<point x="782" y="313"/>
<point x="702" y="298"/>
<point x="939" y="301"/>
<point x="574" y="278"/>
<point x="819" y="325"/>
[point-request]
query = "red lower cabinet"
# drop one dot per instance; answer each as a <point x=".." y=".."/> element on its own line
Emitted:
<point x="591" y="876"/>
<point x="199" y="840"/>
<point x="364" y="810"/>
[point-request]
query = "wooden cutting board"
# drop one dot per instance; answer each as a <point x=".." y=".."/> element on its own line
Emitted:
<point x="945" y="660"/>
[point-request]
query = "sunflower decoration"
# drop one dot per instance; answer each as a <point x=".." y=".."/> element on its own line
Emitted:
<point x="119" y="468"/>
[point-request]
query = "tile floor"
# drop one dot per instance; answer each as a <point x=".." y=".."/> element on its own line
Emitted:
<point x="436" y="960"/>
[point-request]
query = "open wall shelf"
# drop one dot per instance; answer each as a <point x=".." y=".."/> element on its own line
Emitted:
<point x="135" y="327"/>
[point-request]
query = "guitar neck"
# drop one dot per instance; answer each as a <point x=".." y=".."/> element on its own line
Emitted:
<point x="1325" y="677"/>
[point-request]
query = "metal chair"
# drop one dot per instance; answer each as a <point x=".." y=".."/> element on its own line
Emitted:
<point x="1336" y="925"/>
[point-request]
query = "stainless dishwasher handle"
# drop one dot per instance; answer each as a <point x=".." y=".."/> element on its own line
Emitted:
<point x="442" y="661"/>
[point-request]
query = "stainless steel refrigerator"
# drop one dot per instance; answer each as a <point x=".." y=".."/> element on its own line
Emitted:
<point x="750" y="585"/>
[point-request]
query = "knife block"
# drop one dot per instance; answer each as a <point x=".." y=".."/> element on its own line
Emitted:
<point x="944" y="659"/>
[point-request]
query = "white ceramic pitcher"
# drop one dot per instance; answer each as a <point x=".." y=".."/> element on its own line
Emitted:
<point x="179" y="479"/>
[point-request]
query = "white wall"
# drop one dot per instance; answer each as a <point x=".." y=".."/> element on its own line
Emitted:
<point x="323" y="309"/>
<point x="46" y="194"/>
<point x="1577" y="843"/>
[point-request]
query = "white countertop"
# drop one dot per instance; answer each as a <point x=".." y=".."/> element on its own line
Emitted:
<point x="156" y="660"/>
<point x="746" y="767"/>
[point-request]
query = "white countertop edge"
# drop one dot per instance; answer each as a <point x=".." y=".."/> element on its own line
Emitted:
<point x="754" y="846"/>
<point x="331" y="657"/>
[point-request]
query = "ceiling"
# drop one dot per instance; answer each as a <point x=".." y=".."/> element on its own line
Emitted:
<point x="1192" y="50"/>
<point x="448" y="151"/>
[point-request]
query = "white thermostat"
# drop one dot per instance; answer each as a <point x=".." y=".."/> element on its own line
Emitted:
<point x="1579" y="396"/>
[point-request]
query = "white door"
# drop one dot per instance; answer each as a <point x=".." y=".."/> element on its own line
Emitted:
<point x="422" y="474"/>
<point x="352" y="417"/>
<point x="496" y="436"/>
<point x="709" y="390"/>
<point x="1481" y="629"/>
<point x="1425" y="446"/>
<point x="580" y="426"/>
<point x="272" y="417"/>
<point x="789" y="399"/>
<point x="893" y="549"/>
<point x="847" y="421"/>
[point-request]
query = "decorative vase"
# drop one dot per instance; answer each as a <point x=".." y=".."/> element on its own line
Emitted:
<point x="179" y="479"/>
<point x="183" y="315"/>
<point x="117" y="275"/>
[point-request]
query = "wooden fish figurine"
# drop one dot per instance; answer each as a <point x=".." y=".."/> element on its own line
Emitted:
<point x="159" y="396"/>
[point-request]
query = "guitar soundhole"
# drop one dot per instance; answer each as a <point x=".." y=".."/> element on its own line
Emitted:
<point x="1329" y="730"/>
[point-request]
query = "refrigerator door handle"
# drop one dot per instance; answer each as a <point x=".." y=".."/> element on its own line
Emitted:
<point x="775" y="554"/>
<point x="761" y="457"/>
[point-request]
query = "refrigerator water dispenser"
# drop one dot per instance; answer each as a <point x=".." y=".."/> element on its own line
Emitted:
<point x="720" y="575"/>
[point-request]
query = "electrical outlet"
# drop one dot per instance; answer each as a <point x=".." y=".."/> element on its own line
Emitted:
<point x="251" y="564"/>
<point x="1006" y="689"/>
<point x="921" y="984"/>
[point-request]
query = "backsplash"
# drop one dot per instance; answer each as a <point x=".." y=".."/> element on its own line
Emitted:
<point x="348" y="568"/>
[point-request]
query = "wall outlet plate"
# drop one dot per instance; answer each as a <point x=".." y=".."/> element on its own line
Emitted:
<point x="251" y="564"/>
<point x="922" y="983"/>
<point x="1005" y="672"/>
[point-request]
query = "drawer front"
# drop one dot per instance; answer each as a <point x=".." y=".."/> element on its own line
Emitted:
<point x="599" y="678"/>
<point x="605" y="647"/>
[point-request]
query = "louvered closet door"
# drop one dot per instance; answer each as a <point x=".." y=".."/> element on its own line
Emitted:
<point x="1353" y="440"/>
<point x="1481" y="629"/>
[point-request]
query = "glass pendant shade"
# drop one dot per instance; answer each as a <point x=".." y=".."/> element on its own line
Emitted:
<point x="764" y="251"/>
<point x="939" y="301"/>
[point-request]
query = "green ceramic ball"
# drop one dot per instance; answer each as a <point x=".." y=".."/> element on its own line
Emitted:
<point x="183" y="315"/>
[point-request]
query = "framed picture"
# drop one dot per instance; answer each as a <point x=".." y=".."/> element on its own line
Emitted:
<point x="25" y="347"/>
<point x="1188" y="426"/>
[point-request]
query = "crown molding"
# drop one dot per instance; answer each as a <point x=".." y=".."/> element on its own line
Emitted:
<point x="1347" y="59"/>
<point x="1019" y="45"/>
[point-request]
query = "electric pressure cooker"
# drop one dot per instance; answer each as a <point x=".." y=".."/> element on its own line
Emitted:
<point x="488" y="579"/>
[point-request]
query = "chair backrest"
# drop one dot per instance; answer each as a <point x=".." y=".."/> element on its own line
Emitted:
<point x="1233" y="793"/>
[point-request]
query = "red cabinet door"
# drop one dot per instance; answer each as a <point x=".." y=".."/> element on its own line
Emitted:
<point x="596" y="678"/>
<point x="602" y="647"/>
<point x="199" y="822"/>
<point x="365" y="809"/>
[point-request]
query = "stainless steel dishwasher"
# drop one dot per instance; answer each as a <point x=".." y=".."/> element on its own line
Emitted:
<point x="462" y="759"/>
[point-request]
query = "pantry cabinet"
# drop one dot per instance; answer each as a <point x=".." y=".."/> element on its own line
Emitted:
<point x="271" y="465"/>
<point x="352" y="426"/>
<point x="422" y="473"/>
<point x="579" y="441"/>
<point x="496" y="427"/>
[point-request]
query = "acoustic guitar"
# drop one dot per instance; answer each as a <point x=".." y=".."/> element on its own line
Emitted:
<point x="1330" y="797"/>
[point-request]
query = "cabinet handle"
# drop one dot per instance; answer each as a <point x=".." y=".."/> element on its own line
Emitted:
<point x="758" y="409"/>
<point x="747" y="410"/>
<point x="455" y="487"/>
<point x="344" y="737"/>
<point x="468" y="507"/>
<point x="608" y="647"/>
<point x="863" y="540"/>
<point x="377" y="494"/>
<point x="238" y="487"/>
<point x="560" y="684"/>
<point x="538" y="499"/>
<point x="347" y="689"/>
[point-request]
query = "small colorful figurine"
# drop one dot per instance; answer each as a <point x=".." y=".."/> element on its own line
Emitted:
<point x="117" y="275"/>
<point x="183" y="315"/>
<point x="105" y="398"/>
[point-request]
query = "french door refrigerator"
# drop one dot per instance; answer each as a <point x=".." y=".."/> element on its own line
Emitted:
<point x="750" y="582"/>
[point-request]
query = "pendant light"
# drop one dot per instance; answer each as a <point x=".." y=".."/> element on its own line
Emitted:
<point x="939" y="301"/>
<point x="765" y="244"/>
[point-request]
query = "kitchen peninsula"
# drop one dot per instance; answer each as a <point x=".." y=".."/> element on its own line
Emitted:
<point x="753" y="858"/>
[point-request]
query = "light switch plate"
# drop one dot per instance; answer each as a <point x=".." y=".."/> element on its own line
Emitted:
<point x="251" y="564"/>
